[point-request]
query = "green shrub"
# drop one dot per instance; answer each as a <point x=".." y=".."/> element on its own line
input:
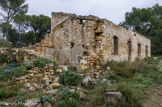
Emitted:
<point x="28" y="64"/>
<point x="70" y="78"/>
<point x="123" y="69"/>
<point x="7" y="92"/>
<point x="130" y="97"/>
<point x="2" y="85"/>
<point x="46" y="98"/>
<point x="3" y="58"/>
<point x="9" y="72"/>
<point x="152" y="60"/>
<point x="6" y="73"/>
<point x="90" y="85"/>
<point x="67" y="99"/>
<point x="19" y="71"/>
<point x="39" y="63"/>
<point x="96" y="97"/>
<point x="125" y="72"/>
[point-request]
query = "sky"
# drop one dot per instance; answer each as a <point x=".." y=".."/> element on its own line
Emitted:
<point x="113" y="10"/>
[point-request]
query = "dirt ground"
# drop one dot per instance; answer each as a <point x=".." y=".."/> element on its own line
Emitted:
<point x="155" y="98"/>
<point x="155" y="95"/>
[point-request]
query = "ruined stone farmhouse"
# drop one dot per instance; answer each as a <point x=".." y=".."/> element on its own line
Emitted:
<point x="85" y="39"/>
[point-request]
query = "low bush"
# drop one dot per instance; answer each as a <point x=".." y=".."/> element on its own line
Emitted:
<point x="28" y="64"/>
<point x="6" y="73"/>
<point x="8" y="91"/>
<point x="96" y="97"/>
<point x="67" y="99"/>
<point x="39" y="63"/>
<point x="19" y="71"/>
<point x="3" y="58"/>
<point x="152" y="60"/>
<point x="70" y="78"/>
<point x="125" y="72"/>
<point x="123" y="69"/>
<point x="130" y="97"/>
<point x="9" y="72"/>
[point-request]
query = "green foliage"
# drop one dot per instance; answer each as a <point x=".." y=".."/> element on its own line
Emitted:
<point x="11" y="71"/>
<point x="96" y="97"/>
<point x="123" y="69"/>
<point x="28" y="64"/>
<point x="19" y="71"/>
<point x="90" y="85"/>
<point x="11" y="8"/>
<point x="39" y="63"/>
<point x="46" y="98"/>
<point x="41" y="25"/>
<point x="67" y="99"/>
<point x="6" y="73"/>
<point x="3" y="58"/>
<point x="70" y="78"/>
<point x="4" y="44"/>
<point x="152" y="60"/>
<point x="29" y="38"/>
<point x="21" y="57"/>
<point x="125" y="72"/>
<point x="8" y="91"/>
<point x="130" y="98"/>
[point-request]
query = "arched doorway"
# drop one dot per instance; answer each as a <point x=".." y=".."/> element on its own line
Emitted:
<point x="129" y="50"/>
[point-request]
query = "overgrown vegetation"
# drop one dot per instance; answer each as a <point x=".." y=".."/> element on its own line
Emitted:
<point x="3" y="58"/>
<point x="28" y="64"/>
<point x="67" y="99"/>
<point x="41" y="62"/>
<point x="8" y="72"/>
<point x="8" y="91"/>
<point x="70" y="78"/>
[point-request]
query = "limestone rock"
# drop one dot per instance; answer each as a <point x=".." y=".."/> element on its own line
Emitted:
<point x="52" y="92"/>
<point x="108" y="68"/>
<point x="32" y="102"/>
<point x="54" y="85"/>
<point x="97" y="73"/>
<point x="86" y="80"/>
<point x="80" y="67"/>
<point x="32" y="88"/>
<point x="59" y="70"/>
<point x="47" y="104"/>
<point x="30" y="52"/>
<point x="50" y="65"/>
<point x="98" y="67"/>
<point x="113" y="97"/>
<point x="64" y="68"/>
<point x="82" y="95"/>
<point x="27" y="85"/>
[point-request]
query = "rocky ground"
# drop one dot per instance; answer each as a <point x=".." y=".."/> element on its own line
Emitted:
<point x="43" y="84"/>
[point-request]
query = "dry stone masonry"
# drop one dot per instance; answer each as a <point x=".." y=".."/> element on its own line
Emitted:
<point x="83" y="40"/>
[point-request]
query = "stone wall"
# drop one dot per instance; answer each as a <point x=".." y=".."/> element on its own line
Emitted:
<point x="85" y="39"/>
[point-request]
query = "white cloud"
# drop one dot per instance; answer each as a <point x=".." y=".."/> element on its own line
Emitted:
<point x="113" y="10"/>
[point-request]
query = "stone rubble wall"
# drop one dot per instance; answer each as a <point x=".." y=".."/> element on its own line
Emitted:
<point x="86" y="39"/>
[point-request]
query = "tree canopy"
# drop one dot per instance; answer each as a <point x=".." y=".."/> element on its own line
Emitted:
<point x="10" y="8"/>
<point x="147" y="21"/>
